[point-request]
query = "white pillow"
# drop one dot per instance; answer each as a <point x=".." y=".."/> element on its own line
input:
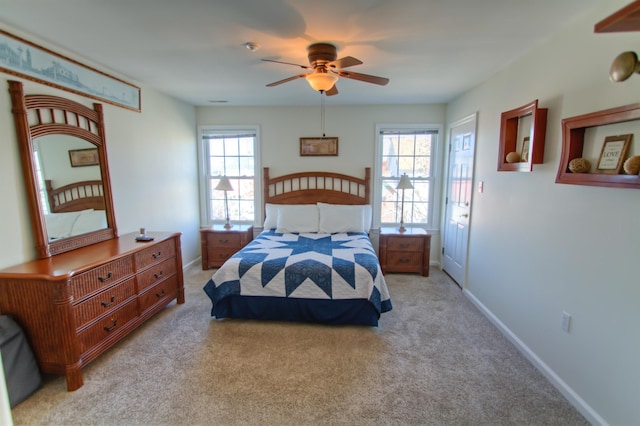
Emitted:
<point x="297" y="218"/>
<point x="271" y="213"/>
<point x="343" y="217"/>
<point x="59" y="225"/>
<point x="270" y="216"/>
<point x="89" y="220"/>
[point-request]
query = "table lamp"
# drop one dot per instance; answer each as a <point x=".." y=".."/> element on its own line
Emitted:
<point x="403" y="184"/>
<point x="225" y="185"/>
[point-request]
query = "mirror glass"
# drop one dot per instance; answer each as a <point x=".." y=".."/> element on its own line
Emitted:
<point x="64" y="160"/>
<point x="68" y="177"/>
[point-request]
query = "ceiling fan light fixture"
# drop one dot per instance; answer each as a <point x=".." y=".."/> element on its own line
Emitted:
<point x="322" y="81"/>
<point x="624" y="66"/>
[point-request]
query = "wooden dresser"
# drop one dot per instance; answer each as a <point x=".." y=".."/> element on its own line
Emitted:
<point x="76" y="305"/>
<point x="219" y="243"/>
<point x="404" y="251"/>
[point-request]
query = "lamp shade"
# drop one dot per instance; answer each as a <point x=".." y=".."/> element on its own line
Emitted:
<point x="404" y="182"/>
<point x="322" y="80"/>
<point x="224" y="184"/>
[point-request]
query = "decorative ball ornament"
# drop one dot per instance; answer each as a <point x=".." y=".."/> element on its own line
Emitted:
<point x="632" y="165"/>
<point x="513" y="157"/>
<point x="579" y="165"/>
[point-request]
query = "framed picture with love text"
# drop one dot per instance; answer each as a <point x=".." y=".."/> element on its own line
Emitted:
<point x="613" y="153"/>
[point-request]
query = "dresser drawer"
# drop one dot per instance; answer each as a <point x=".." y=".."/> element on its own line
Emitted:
<point x="107" y="326"/>
<point x="155" y="254"/>
<point x="98" y="278"/>
<point x="156" y="273"/>
<point x="399" y="261"/>
<point x="217" y="256"/>
<point x="103" y="302"/>
<point x="231" y="240"/>
<point x="163" y="291"/>
<point x="405" y="243"/>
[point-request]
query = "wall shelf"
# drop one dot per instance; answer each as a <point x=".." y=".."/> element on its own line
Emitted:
<point x="626" y="19"/>
<point x="573" y="135"/>
<point x="510" y="123"/>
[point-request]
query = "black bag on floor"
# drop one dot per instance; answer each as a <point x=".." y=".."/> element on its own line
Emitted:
<point x="20" y="368"/>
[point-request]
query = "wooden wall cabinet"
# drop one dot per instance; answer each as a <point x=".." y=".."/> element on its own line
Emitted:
<point x="626" y="19"/>
<point x="573" y="136"/>
<point x="511" y="140"/>
<point x="574" y="128"/>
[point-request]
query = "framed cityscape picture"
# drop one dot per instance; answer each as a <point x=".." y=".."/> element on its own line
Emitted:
<point x="36" y="63"/>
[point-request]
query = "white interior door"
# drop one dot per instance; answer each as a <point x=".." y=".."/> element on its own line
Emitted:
<point x="462" y="139"/>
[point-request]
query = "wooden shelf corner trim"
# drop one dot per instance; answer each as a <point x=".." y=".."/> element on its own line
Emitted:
<point x="509" y="122"/>
<point x="573" y="131"/>
<point x="626" y="19"/>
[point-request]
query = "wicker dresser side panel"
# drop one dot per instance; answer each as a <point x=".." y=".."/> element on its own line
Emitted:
<point x="49" y="327"/>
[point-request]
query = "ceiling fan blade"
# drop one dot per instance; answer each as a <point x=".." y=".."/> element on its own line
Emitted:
<point x="347" y="61"/>
<point x="306" y="67"/>
<point x="276" y="83"/>
<point x="363" y="77"/>
<point x="332" y="91"/>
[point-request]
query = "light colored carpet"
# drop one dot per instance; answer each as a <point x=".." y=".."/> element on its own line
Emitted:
<point x="434" y="359"/>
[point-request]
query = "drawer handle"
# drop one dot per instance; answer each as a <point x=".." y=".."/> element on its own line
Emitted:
<point x="105" y="279"/>
<point x="223" y="241"/>
<point x="403" y="260"/>
<point x="405" y="245"/>
<point x="161" y="294"/>
<point x="156" y="255"/>
<point x="158" y="275"/>
<point x="113" y="327"/>
<point x="107" y="304"/>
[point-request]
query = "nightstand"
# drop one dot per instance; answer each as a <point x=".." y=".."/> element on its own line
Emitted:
<point x="219" y="244"/>
<point x="404" y="251"/>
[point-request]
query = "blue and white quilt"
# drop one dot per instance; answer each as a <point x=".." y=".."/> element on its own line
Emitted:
<point x="341" y="266"/>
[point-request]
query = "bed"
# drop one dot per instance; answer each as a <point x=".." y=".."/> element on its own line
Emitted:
<point x="75" y="209"/>
<point x="313" y="261"/>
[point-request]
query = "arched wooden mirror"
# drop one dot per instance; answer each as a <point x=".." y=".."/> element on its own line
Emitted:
<point x="62" y="146"/>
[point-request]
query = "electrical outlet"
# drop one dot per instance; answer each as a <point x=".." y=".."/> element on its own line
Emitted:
<point x="566" y="321"/>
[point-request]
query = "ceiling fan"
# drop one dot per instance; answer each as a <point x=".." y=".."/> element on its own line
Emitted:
<point x="326" y="69"/>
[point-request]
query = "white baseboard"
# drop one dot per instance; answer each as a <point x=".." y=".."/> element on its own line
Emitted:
<point x="585" y="409"/>
<point x="194" y="261"/>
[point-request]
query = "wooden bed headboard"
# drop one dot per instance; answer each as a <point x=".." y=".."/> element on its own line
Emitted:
<point x="314" y="187"/>
<point x="76" y="196"/>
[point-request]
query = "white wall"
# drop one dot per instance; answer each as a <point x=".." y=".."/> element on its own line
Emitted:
<point x="282" y="127"/>
<point x="538" y="248"/>
<point x="152" y="161"/>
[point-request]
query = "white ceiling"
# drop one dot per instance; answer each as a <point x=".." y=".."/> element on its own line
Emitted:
<point x="431" y="50"/>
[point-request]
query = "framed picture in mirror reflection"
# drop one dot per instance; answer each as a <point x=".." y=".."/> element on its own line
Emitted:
<point x="84" y="157"/>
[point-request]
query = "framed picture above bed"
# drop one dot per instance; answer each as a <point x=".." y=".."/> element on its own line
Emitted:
<point x="318" y="146"/>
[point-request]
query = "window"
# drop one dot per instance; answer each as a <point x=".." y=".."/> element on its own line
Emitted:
<point x="230" y="152"/>
<point x="409" y="150"/>
<point x="42" y="188"/>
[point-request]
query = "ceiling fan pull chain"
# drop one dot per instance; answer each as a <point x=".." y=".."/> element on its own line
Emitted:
<point x="322" y="113"/>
